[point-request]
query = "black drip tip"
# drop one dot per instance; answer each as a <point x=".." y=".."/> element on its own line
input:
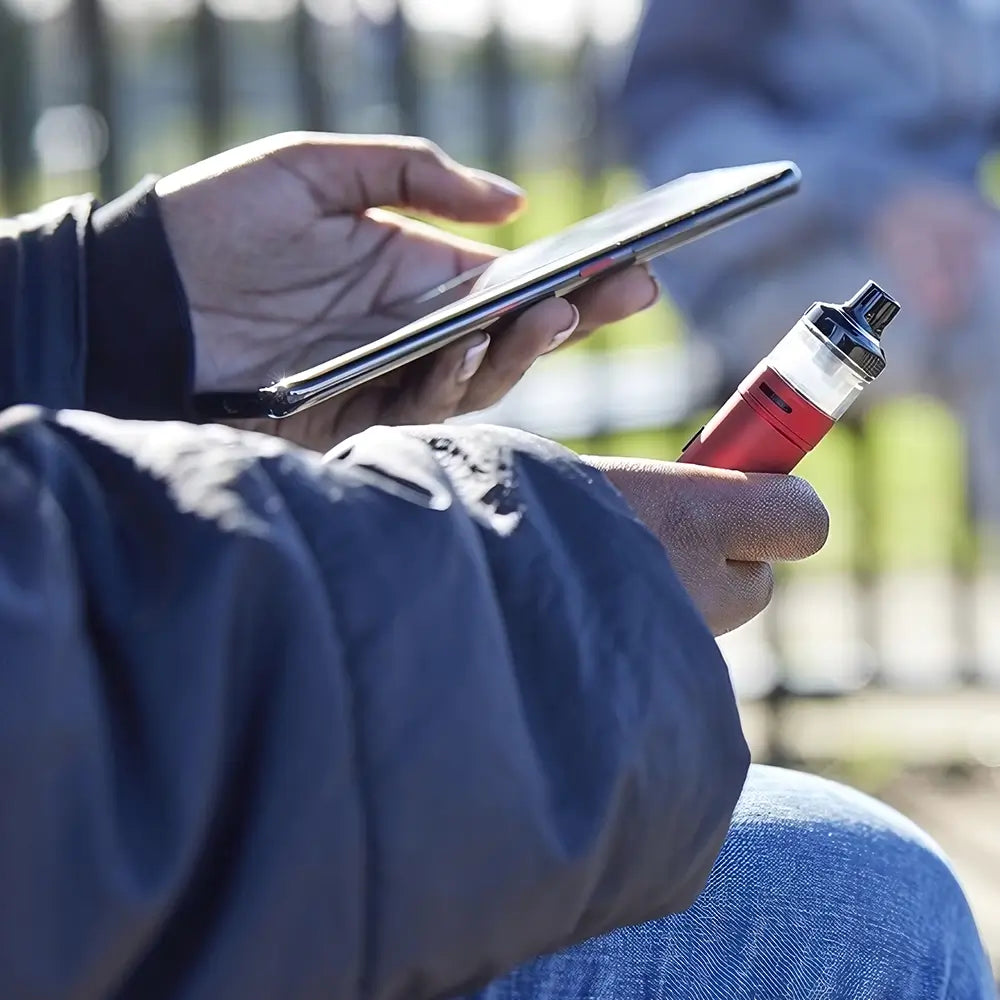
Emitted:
<point x="872" y="309"/>
<point x="855" y="328"/>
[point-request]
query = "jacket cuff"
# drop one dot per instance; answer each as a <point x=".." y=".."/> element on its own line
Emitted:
<point x="140" y="351"/>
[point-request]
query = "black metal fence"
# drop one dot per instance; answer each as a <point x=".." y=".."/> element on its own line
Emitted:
<point x="87" y="97"/>
<point x="215" y="78"/>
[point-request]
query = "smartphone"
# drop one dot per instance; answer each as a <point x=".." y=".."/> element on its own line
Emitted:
<point x="634" y="231"/>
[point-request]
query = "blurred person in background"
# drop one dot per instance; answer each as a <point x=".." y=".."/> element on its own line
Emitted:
<point x="389" y="722"/>
<point x="889" y="107"/>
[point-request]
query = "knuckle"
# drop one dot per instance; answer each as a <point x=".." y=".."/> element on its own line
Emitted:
<point x="424" y="148"/>
<point x="294" y="140"/>
<point x="303" y="150"/>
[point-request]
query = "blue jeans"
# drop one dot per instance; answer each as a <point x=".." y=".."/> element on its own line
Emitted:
<point x="819" y="892"/>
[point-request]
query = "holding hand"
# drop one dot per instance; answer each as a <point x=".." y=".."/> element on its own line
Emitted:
<point x="288" y="260"/>
<point x="722" y="530"/>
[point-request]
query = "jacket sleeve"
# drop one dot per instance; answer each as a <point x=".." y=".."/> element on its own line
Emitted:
<point x="382" y="726"/>
<point x="92" y="312"/>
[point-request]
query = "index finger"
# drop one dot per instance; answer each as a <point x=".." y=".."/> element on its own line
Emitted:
<point x="362" y="172"/>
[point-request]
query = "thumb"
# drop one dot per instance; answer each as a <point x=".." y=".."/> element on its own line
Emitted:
<point x="402" y="172"/>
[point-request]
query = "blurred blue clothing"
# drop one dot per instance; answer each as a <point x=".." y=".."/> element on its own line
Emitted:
<point x="865" y="95"/>
<point x="819" y="892"/>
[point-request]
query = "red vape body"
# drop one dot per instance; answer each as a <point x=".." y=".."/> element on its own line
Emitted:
<point x="789" y="402"/>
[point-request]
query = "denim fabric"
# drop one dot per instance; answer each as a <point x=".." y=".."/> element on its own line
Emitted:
<point x="819" y="892"/>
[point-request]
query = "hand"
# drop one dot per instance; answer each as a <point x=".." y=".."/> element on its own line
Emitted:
<point x="722" y="530"/>
<point x="288" y="260"/>
<point x="934" y="237"/>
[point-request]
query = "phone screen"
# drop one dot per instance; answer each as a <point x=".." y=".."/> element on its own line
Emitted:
<point x="627" y="222"/>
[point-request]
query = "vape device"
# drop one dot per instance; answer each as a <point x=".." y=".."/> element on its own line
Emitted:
<point x="788" y="403"/>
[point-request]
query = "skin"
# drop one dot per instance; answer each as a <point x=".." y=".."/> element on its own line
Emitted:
<point x="290" y="254"/>
<point x="289" y="257"/>
<point x="722" y="529"/>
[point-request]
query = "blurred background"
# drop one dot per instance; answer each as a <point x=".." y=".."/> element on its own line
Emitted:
<point x="879" y="662"/>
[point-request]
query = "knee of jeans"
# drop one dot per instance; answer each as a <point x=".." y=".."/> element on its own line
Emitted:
<point x="815" y="837"/>
<point x="819" y="891"/>
<point x="815" y="861"/>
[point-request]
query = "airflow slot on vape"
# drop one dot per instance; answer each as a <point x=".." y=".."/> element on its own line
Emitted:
<point x="774" y="397"/>
<point x="694" y="437"/>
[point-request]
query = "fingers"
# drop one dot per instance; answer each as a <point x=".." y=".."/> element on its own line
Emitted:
<point x="478" y="370"/>
<point x="749" y="587"/>
<point x="436" y="393"/>
<point x="721" y="529"/>
<point x="750" y="517"/>
<point x="549" y="325"/>
<point x="515" y="348"/>
<point x="615" y="298"/>
<point x="464" y="252"/>
<point x="764" y="518"/>
<point x="394" y="171"/>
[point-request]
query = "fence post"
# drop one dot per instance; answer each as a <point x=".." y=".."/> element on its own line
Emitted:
<point x="309" y="77"/>
<point x="968" y="568"/>
<point x="497" y="95"/>
<point x="777" y="700"/>
<point x="94" y="37"/>
<point x="593" y="140"/>
<point x="405" y="72"/>
<point x="496" y="98"/>
<point x="16" y="109"/>
<point x="210" y="75"/>
<point x="866" y="541"/>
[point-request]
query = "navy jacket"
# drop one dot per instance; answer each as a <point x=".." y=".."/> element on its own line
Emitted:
<point x="377" y="725"/>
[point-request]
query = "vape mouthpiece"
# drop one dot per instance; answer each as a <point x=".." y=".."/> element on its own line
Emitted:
<point x="872" y="308"/>
<point x="855" y="327"/>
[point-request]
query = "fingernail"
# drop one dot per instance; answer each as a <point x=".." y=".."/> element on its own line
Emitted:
<point x="563" y="335"/>
<point x="654" y="297"/>
<point x="499" y="183"/>
<point x="473" y="359"/>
